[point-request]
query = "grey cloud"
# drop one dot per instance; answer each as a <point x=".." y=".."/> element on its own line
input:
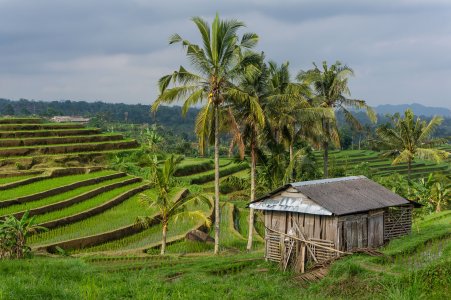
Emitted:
<point x="116" y="50"/>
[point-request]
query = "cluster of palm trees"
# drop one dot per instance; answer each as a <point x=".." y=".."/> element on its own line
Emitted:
<point x="254" y="101"/>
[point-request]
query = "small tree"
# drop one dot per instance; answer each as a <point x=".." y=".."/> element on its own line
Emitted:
<point x="439" y="195"/>
<point x="170" y="205"/>
<point x="14" y="233"/>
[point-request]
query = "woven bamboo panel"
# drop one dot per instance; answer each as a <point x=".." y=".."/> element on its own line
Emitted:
<point x="397" y="222"/>
<point x="273" y="247"/>
<point x="320" y="253"/>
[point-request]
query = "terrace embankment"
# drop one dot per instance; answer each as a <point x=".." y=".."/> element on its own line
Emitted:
<point x="28" y="143"/>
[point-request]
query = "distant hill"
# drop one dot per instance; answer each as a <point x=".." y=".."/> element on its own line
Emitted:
<point x="418" y="109"/>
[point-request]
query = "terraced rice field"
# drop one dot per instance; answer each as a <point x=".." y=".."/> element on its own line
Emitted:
<point x="95" y="212"/>
<point x="26" y="142"/>
<point x="72" y="213"/>
<point x="380" y="166"/>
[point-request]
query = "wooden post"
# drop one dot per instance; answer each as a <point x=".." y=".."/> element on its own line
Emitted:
<point x="302" y="257"/>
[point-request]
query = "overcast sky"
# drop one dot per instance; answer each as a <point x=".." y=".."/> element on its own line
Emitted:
<point x="115" y="51"/>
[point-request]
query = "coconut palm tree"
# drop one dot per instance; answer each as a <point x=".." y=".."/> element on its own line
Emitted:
<point x="170" y="205"/>
<point x="248" y="100"/>
<point x="14" y="233"/>
<point x="296" y="118"/>
<point x="217" y="62"/>
<point x="408" y="138"/>
<point x="331" y="90"/>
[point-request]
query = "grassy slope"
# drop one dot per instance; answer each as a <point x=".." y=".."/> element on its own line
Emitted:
<point x="406" y="273"/>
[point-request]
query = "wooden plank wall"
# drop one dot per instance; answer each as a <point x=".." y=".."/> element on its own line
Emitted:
<point x="352" y="232"/>
<point x="375" y="228"/>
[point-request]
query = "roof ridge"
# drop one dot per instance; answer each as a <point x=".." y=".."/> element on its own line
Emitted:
<point x="327" y="180"/>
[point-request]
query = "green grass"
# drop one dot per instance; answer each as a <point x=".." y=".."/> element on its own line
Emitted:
<point x="230" y="238"/>
<point x="6" y="180"/>
<point x="200" y="278"/>
<point x="46" y="184"/>
<point x="242" y="221"/>
<point x="121" y="215"/>
<point x="414" y="273"/>
<point x="58" y="198"/>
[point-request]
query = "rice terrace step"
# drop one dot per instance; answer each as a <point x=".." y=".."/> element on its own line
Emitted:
<point x="25" y="142"/>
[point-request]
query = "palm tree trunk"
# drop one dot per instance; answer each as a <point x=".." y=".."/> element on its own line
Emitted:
<point x="251" y="211"/>
<point x="217" y="212"/>
<point x="326" y="159"/>
<point x="291" y="152"/>
<point x="409" y="168"/>
<point x="163" y="242"/>
<point x="438" y="208"/>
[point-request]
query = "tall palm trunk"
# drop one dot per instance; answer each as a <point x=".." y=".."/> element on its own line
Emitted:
<point x="326" y="159"/>
<point x="217" y="212"/>
<point x="409" y="168"/>
<point x="251" y="211"/>
<point x="163" y="243"/>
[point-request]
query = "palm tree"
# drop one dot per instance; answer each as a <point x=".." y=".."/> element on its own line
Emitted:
<point x="217" y="62"/>
<point x="248" y="100"/>
<point x="14" y="233"/>
<point x="409" y="138"/>
<point x="170" y="205"/>
<point x="291" y="114"/>
<point x="331" y="90"/>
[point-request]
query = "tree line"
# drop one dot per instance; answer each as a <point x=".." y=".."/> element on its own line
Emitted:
<point x="267" y="113"/>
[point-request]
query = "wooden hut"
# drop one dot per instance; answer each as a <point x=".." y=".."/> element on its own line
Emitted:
<point x="319" y="219"/>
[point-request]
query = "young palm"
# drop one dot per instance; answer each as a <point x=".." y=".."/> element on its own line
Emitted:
<point x="440" y="195"/>
<point x="170" y="205"/>
<point x="409" y="138"/>
<point x="217" y="63"/>
<point x="331" y="90"/>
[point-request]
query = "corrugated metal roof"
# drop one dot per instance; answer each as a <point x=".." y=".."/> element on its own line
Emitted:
<point x="339" y="196"/>
<point x="292" y="202"/>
